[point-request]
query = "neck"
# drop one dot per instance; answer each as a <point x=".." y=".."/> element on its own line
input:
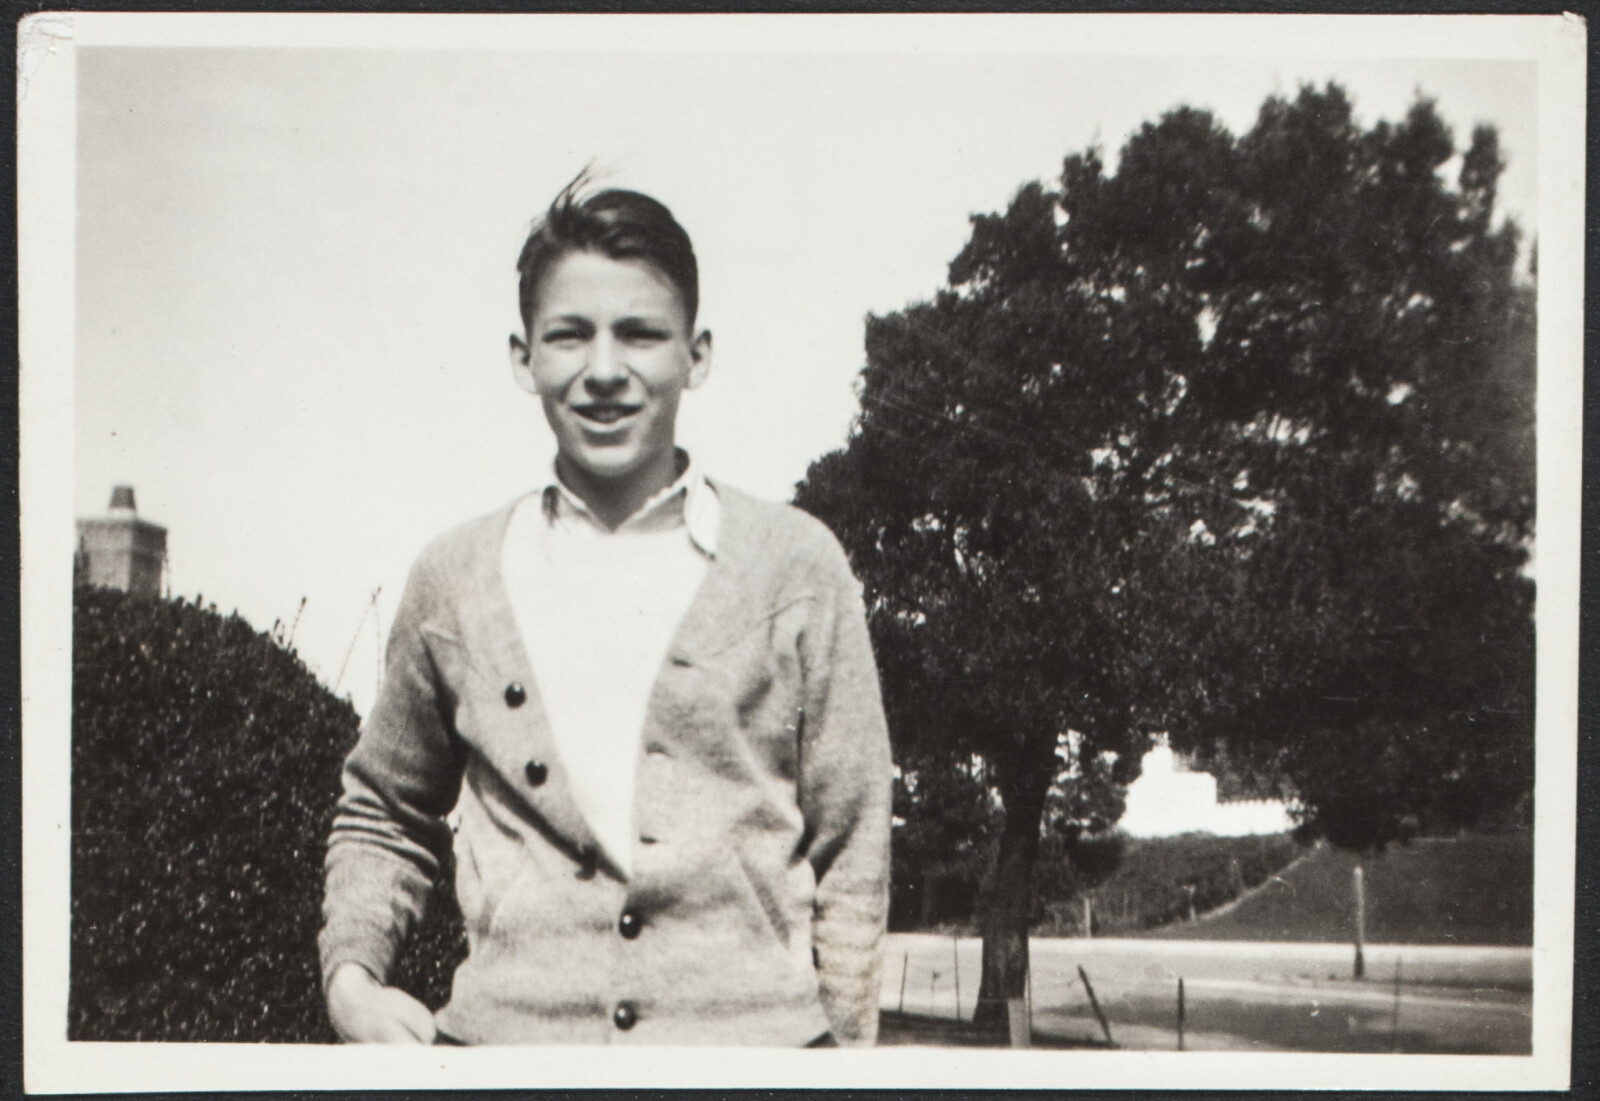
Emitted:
<point x="613" y="500"/>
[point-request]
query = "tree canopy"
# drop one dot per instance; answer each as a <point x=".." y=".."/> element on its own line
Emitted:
<point x="1233" y="442"/>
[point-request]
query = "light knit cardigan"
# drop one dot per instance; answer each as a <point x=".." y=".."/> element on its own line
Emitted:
<point x="756" y="910"/>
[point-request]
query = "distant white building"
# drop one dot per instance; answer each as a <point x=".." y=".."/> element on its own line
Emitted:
<point x="1169" y="799"/>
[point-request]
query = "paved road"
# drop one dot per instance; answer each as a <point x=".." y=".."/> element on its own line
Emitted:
<point x="1243" y="995"/>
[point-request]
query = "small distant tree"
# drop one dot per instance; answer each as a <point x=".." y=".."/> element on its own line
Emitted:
<point x="1078" y="850"/>
<point x="945" y="817"/>
<point x="1234" y="443"/>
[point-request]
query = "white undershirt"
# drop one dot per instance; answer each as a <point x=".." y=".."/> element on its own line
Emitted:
<point x="597" y="611"/>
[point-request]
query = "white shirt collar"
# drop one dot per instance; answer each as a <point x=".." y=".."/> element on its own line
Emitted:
<point x="690" y="501"/>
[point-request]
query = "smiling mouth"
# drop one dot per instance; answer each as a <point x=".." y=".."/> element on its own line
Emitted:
<point x="605" y="414"/>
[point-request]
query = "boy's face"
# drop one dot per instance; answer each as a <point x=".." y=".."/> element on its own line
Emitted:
<point x="609" y="352"/>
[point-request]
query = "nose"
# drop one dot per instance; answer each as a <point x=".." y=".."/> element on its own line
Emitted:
<point x="606" y="372"/>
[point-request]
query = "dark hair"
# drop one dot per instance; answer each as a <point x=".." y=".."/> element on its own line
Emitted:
<point x="622" y="225"/>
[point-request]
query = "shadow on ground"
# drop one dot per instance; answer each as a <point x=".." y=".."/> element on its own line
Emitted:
<point x="901" y="1029"/>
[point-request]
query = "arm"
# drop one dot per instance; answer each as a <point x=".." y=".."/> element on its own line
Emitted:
<point x="389" y="836"/>
<point x="845" y="787"/>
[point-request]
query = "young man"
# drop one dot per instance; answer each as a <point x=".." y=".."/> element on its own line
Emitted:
<point x="651" y="702"/>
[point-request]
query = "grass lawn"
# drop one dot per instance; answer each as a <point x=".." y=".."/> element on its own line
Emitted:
<point x="1476" y="889"/>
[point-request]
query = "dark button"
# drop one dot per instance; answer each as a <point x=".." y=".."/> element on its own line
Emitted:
<point x="516" y="695"/>
<point x="536" y="772"/>
<point x="625" y="1016"/>
<point x="629" y="925"/>
<point x="588" y="861"/>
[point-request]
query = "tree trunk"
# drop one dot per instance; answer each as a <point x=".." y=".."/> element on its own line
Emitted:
<point x="1005" y="921"/>
<point x="930" y="884"/>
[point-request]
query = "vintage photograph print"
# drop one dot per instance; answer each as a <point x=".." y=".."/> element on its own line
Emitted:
<point x="927" y="551"/>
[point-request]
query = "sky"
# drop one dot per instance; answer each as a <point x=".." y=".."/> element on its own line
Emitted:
<point x="295" y="267"/>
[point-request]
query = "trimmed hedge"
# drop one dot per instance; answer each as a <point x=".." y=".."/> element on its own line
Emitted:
<point x="1148" y="889"/>
<point x="205" y="768"/>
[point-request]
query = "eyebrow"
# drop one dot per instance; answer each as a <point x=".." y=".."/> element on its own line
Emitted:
<point x="567" y="319"/>
<point x="630" y="321"/>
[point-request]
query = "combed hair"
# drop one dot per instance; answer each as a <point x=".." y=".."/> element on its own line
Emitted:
<point x="622" y="225"/>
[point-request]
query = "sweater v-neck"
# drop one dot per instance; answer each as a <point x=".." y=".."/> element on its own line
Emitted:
<point x="716" y="615"/>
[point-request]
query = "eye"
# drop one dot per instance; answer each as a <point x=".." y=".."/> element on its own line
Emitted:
<point x="563" y="335"/>
<point x="638" y="333"/>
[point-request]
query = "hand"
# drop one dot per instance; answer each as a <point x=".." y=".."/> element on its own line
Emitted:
<point x="364" y="1011"/>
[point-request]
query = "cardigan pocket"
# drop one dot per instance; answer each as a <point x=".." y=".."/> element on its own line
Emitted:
<point x="781" y="923"/>
<point x="754" y="686"/>
<point x="738" y="632"/>
<point x="482" y="891"/>
<point x="456" y="663"/>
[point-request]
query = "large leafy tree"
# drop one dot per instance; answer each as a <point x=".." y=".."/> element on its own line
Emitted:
<point x="1235" y="443"/>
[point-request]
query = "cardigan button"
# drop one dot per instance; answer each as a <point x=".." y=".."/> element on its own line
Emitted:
<point x="537" y="773"/>
<point x="625" y="1016"/>
<point x="516" y="695"/>
<point x="588" y="863"/>
<point x="629" y="925"/>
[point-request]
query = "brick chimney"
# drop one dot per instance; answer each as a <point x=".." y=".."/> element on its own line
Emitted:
<point x="119" y="550"/>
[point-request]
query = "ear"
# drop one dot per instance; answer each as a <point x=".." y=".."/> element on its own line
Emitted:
<point x="700" y="353"/>
<point x="521" y="366"/>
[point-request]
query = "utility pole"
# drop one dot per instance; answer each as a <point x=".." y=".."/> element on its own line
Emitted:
<point x="1180" y="1013"/>
<point x="1360" y="883"/>
<point x="955" y="960"/>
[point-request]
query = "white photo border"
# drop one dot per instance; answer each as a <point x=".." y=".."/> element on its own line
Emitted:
<point x="48" y="45"/>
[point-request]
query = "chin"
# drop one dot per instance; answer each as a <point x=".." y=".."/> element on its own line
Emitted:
<point x="607" y="468"/>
